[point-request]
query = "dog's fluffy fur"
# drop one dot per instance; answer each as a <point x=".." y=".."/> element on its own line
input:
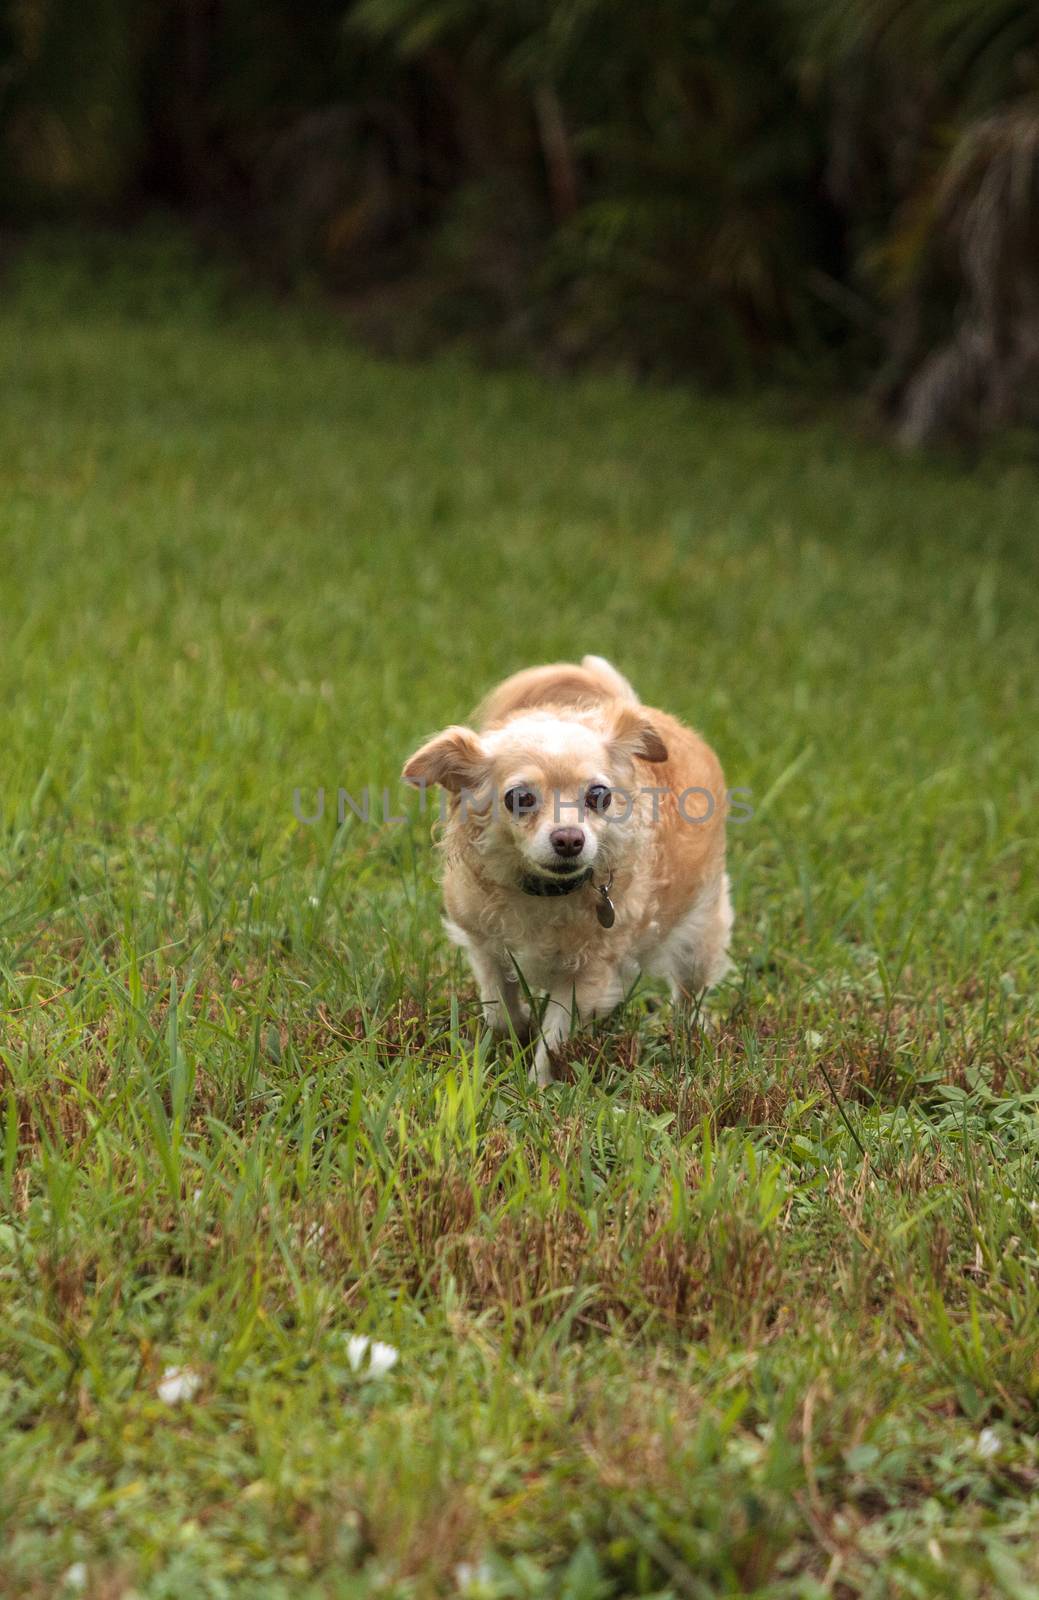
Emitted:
<point x="557" y="731"/>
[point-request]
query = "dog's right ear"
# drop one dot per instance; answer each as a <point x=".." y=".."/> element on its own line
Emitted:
<point x="455" y="759"/>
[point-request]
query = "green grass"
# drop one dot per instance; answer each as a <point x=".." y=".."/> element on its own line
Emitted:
<point x="750" y="1316"/>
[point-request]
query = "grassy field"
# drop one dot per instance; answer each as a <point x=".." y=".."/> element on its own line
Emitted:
<point x="756" y="1315"/>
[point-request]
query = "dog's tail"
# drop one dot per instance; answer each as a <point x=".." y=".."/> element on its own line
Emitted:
<point x="614" y="685"/>
<point x="562" y="684"/>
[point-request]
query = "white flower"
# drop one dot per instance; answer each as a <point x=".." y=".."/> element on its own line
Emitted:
<point x="813" y="1040"/>
<point x="355" y="1349"/>
<point x="381" y="1357"/>
<point x="75" y="1577"/>
<point x="177" y="1384"/>
<point x="312" y="900"/>
<point x="470" y="1575"/>
<point x="988" y="1444"/>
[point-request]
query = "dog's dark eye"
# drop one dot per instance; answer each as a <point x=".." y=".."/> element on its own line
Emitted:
<point x="598" y="798"/>
<point x="521" y="802"/>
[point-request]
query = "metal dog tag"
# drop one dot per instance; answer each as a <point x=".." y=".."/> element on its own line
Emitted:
<point x="604" y="910"/>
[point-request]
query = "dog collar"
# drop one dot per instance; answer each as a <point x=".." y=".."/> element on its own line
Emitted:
<point x="551" y="888"/>
<point x="548" y="888"/>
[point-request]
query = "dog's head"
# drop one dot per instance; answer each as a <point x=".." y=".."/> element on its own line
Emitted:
<point x="546" y="796"/>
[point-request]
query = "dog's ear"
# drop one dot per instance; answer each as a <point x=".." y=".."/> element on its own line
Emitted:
<point x="455" y="759"/>
<point x="634" y="736"/>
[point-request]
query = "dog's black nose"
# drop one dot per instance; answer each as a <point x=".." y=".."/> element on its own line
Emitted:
<point x="567" y="841"/>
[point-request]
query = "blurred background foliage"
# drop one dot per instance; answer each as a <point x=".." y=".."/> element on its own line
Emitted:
<point x="733" y="188"/>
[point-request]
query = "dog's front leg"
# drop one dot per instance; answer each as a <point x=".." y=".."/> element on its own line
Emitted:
<point x="555" y="1027"/>
<point x="593" y="995"/>
<point x="503" y="1004"/>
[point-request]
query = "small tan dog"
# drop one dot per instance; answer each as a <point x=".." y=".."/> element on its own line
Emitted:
<point x="584" y="844"/>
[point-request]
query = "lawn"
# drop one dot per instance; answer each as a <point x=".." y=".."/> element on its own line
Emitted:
<point x="754" y="1313"/>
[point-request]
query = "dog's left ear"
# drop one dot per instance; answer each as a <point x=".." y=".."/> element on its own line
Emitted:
<point x="634" y="736"/>
<point x="455" y="759"/>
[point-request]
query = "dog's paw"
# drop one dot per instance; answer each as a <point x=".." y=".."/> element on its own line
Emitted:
<point x="541" y="1074"/>
<point x="503" y="1023"/>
